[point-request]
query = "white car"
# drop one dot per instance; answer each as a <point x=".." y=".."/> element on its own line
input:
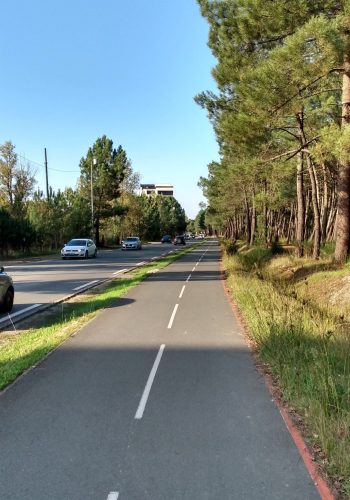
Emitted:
<point x="132" y="243"/>
<point x="79" y="248"/>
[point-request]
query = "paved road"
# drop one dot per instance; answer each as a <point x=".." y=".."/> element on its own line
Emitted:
<point x="41" y="283"/>
<point x="157" y="398"/>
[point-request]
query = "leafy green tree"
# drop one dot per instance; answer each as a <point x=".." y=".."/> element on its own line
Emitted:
<point x="16" y="180"/>
<point x="278" y="83"/>
<point x="108" y="173"/>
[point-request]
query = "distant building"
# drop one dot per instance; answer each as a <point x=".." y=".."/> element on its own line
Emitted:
<point x="155" y="189"/>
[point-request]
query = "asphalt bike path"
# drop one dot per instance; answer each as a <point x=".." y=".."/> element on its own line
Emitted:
<point x="156" y="398"/>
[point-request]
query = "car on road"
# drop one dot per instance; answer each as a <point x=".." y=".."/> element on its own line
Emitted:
<point x="7" y="292"/>
<point x="79" y="248"/>
<point x="179" y="240"/>
<point x="132" y="243"/>
<point x="166" y="238"/>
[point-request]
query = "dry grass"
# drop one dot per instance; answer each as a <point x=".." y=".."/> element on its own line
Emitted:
<point x="305" y="342"/>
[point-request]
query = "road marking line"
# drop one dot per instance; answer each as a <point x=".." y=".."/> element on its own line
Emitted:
<point x="121" y="271"/>
<point x="153" y="258"/>
<point x="86" y="284"/>
<point x="189" y="277"/>
<point x="113" y="495"/>
<point x="141" y="263"/>
<point x="196" y="264"/>
<point x="182" y="291"/>
<point x="20" y="312"/>
<point x="148" y="386"/>
<point x="173" y="316"/>
<point x="194" y="268"/>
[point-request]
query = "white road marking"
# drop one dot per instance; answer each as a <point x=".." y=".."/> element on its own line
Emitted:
<point x="141" y="263"/>
<point x="189" y="277"/>
<point x="121" y="271"/>
<point x="21" y="311"/>
<point x="182" y="291"/>
<point x="194" y="268"/>
<point x="173" y="316"/>
<point x="153" y="258"/>
<point x="86" y="284"/>
<point x="113" y="495"/>
<point x="148" y="386"/>
<point x="196" y="264"/>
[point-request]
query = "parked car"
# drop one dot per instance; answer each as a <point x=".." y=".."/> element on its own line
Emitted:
<point x="179" y="240"/>
<point x="166" y="238"/>
<point x="132" y="243"/>
<point x="7" y="292"/>
<point x="79" y="248"/>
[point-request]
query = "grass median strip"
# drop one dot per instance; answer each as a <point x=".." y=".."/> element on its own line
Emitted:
<point x="24" y="348"/>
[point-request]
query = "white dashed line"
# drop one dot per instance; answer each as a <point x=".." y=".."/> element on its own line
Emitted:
<point x="182" y="291"/>
<point x="194" y="268"/>
<point x="86" y="284"/>
<point x="148" y="386"/>
<point x="113" y="495"/>
<point x="20" y="312"/>
<point x="173" y="316"/>
<point x="141" y="263"/>
<point x="189" y="277"/>
<point x="120" y="271"/>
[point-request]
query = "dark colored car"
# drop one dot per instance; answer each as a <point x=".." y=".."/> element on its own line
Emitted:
<point x="7" y="292"/>
<point x="179" y="240"/>
<point x="166" y="238"/>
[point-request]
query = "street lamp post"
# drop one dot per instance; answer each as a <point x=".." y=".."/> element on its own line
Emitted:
<point x="93" y="162"/>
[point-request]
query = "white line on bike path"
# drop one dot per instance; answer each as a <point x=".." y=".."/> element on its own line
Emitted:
<point x="113" y="495"/>
<point x="148" y="386"/>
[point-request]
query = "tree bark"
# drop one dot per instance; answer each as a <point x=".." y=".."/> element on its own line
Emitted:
<point x="300" y="232"/>
<point x="343" y="189"/>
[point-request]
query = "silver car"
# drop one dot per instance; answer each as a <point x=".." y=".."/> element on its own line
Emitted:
<point x="7" y="292"/>
<point x="132" y="243"/>
<point x="79" y="248"/>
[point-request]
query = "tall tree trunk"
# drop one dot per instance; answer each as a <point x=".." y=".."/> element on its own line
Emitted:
<point x="289" y="230"/>
<point x="343" y="190"/>
<point x="253" y="224"/>
<point x="325" y="205"/>
<point x="248" y="227"/>
<point x="265" y="211"/>
<point x="300" y="232"/>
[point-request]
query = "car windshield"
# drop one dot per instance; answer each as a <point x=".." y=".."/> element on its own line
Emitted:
<point x="131" y="239"/>
<point x="76" y="243"/>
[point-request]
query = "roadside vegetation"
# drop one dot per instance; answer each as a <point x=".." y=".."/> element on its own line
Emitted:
<point x="104" y="205"/>
<point x="297" y="314"/>
<point x="23" y="348"/>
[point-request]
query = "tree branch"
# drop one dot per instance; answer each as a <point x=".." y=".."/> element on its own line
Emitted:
<point x="294" y="152"/>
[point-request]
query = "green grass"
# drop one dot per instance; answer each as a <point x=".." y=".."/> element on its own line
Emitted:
<point x="18" y="352"/>
<point x="305" y="349"/>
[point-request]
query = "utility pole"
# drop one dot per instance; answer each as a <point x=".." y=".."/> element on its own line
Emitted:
<point x="47" y="178"/>
<point x="93" y="162"/>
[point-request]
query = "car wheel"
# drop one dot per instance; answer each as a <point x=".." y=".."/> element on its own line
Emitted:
<point x="86" y="254"/>
<point x="8" y="301"/>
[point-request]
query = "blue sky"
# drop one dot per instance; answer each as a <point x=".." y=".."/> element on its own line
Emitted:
<point x="75" y="70"/>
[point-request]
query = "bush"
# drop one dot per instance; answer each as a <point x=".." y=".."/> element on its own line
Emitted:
<point x="230" y="246"/>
